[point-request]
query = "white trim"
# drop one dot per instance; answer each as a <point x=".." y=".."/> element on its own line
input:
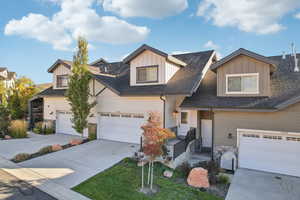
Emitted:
<point x="241" y="75"/>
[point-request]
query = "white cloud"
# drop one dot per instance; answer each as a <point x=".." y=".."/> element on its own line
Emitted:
<point x="211" y="45"/>
<point x="297" y="16"/>
<point x="145" y="8"/>
<point x="76" y="18"/>
<point x="258" y="16"/>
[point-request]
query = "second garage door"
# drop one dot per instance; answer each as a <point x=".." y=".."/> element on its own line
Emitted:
<point x="271" y="151"/>
<point x="64" y="124"/>
<point x="120" y="127"/>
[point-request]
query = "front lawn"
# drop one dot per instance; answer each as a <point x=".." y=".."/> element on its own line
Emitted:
<point x="123" y="180"/>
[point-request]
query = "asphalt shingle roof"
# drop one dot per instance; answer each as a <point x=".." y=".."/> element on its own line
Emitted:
<point x="285" y="86"/>
<point x="185" y="80"/>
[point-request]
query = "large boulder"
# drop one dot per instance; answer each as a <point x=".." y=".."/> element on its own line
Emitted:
<point x="76" y="142"/>
<point x="198" y="177"/>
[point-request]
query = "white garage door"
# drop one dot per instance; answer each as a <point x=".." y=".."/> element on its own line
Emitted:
<point x="275" y="152"/>
<point x="64" y="124"/>
<point x="120" y="127"/>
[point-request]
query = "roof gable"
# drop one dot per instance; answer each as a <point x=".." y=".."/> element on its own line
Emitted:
<point x="66" y="63"/>
<point x="248" y="53"/>
<point x="145" y="47"/>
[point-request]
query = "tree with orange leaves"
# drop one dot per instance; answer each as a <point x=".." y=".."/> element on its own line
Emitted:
<point x="154" y="138"/>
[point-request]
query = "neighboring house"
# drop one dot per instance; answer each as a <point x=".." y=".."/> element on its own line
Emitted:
<point x="244" y="101"/>
<point x="7" y="77"/>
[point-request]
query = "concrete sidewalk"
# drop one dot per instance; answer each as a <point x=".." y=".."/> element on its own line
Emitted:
<point x="42" y="183"/>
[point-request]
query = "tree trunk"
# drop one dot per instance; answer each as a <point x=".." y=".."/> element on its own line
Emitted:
<point x="149" y="171"/>
<point x="142" y="174"/>
<point x="151" y="186"/>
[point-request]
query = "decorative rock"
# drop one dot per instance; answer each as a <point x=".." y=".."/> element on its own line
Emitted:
<point x="75" y="142"/>
<point x="7" y="137"/>
<point x="168" y="173"/>
<point x="198" y="177"/>
<point x="56" y="147"/>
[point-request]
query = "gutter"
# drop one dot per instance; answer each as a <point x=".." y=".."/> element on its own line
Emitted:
<point x="164" y="110"/>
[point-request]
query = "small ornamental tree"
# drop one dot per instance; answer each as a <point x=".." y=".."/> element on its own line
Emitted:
<point x="78" y="92"/>
<point x="154" y="138"/>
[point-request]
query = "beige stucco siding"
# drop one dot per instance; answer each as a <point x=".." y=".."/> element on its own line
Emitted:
<point x="228" y="122"/>
<point x="108" y="101"/>
<point x="172" y="104"/>
<point x="148" y="58"/>
<point x="242" y="65"/>
<point x="60" y="70"/>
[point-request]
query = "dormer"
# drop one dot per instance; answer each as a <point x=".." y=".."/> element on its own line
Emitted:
<point x="61" y="71"/>
<point x="150" y="66"/>
<point x="244" y="73"/>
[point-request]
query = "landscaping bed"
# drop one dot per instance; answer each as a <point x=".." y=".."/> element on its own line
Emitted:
<point x="123" y="181"/>
<point x="48" y="149"/>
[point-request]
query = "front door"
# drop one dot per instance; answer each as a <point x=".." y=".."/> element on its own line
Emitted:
<point x="206" y="132"/>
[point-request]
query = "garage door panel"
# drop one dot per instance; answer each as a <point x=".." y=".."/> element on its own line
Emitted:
<point x="124" y="129"/>
<point x="64" y="124"/>
<point x="271" y="155"/>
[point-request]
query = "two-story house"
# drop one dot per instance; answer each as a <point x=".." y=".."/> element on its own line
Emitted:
<point x="7" y="77"/>
<point x="252" y="103"/>
<point x="126" y="91"/>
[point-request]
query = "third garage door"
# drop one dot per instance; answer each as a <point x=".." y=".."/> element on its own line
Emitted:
<point x="120" y="127"/>
<point x="271" y="151"/>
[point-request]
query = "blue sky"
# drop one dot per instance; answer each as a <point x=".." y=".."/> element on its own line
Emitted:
<point x="35" y="33"/>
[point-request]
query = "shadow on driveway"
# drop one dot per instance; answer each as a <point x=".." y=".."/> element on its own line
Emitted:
<point x="12" y="188"/>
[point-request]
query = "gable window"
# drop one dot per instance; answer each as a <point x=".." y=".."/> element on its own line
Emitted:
<point x="148" y="74"/>
<point x="62" y="81"/>
<point x="242" y="83"/>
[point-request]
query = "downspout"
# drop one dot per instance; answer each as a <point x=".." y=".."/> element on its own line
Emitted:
<point x="164" y="110"/>
<point x="213" y="133"/>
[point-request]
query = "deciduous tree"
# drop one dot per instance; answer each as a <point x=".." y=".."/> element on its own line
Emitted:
<point x="78" y="92"/>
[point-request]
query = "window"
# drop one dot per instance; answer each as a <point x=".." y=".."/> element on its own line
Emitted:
<point x="147" y="74"/>
<point x="242" y="83"/>
<point x="62" y="81"/>
<point x="184" y="118"/>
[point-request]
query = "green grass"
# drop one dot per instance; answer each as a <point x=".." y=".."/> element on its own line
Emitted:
<point x="122" y="181"/>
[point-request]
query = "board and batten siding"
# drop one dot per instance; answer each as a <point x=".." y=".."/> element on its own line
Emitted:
<point x="60" y="70"/>
<point x="242" y="65"/>
<point x="148" y="58"/>
<point x="170" y="71"/>
<point x="228" y="122"/>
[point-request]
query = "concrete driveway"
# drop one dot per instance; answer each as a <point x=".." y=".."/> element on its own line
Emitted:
<point x="257" y="185"/>
<point x="10" y="148"/>
<point x="74" y="165"/>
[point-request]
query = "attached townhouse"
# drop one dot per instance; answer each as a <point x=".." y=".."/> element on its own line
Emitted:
<point x="245" y="101"/>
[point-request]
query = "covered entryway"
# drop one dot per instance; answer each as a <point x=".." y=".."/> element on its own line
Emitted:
<point x="64" y="124"/>
<point x="120" y="127"/>
<point x="269" y="151"/>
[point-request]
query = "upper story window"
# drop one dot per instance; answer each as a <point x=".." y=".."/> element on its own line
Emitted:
<point x="62" y="81"/>
<point x="148" y="74"/>
<point x="242" y="83"/>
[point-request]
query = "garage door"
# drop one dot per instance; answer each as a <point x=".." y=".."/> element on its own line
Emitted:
<point x="120" y="127"/>
<point x="64" y="124"/>
<point x="271" y="151"/>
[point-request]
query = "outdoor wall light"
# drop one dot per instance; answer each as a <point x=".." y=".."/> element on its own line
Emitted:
<point x="230" y="136"/>
<point x="175" y="112"/>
